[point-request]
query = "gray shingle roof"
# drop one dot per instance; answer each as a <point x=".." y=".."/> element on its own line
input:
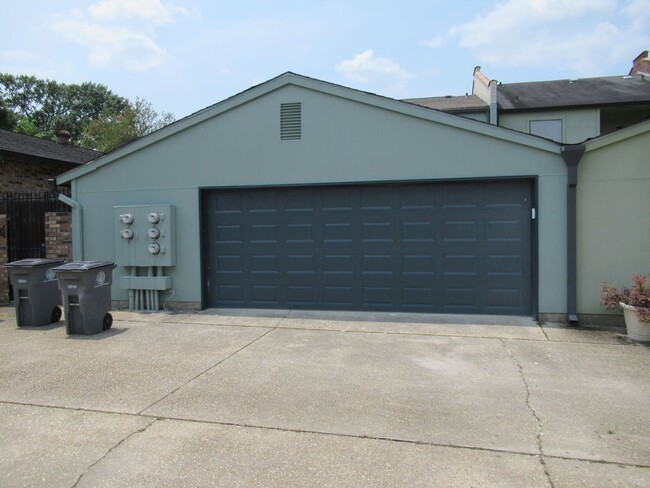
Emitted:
<point x="608" y="90"/>
<point x="20" y="144"/>
<point x="462" y="103"/>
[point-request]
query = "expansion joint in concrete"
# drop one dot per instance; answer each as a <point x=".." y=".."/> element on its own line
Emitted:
<point x="540" y="425"/>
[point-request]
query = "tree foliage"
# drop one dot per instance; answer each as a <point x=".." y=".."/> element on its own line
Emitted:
<point x="42" y="107"/>
<point x="96" y="117"/>
<point x="7" y="117"/>
<point x="114" y="129"/>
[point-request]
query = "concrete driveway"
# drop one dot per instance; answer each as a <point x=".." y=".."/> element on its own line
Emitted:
<point x="245" y="398"/>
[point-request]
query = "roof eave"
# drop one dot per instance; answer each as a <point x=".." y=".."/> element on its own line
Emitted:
<point x="26" y="157"/>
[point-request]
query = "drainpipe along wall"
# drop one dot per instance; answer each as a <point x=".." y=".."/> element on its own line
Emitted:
<point x="572" y="154"/>
<point x="77" y="221"/>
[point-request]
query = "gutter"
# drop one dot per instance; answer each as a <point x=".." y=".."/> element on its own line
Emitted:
<point x="77" y="221"/>
<point x="572" y="154"/>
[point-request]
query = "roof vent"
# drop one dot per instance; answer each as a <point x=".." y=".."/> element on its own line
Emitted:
<point x="290" y="121"/>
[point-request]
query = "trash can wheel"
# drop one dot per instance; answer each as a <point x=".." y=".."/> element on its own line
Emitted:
<point x="56" y="314"/>
<point x="108" y="321"/>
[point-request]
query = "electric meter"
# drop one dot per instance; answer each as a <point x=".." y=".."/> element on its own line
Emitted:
<point x="127" y="234"/>
<point x="153" y="218"/>
<point x="154" y="248"/>
<point x="126" y="218"/>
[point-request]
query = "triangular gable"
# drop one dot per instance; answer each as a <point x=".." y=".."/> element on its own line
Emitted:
<point x="340" y="91"/>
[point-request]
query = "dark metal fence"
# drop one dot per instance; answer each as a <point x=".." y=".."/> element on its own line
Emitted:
<point x="26" y="222"/>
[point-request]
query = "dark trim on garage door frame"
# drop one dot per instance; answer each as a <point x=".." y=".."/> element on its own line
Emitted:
<point x="534" y="272"/>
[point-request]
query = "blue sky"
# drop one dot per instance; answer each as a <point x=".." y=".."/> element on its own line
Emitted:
<point x="185" y="55"/>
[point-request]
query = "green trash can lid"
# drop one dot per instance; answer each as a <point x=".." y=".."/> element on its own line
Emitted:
<point x="84" y="265"/>
<point x="34" y="262"/>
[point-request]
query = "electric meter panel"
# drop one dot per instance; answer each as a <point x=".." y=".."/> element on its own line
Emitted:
<point x="145" y="235"/>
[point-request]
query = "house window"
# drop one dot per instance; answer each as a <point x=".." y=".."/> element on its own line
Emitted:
<point x="549" y="129"/>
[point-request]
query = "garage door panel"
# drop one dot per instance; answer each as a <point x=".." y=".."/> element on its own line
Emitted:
<point x="265" y="295"/>
<point x="337" y="296"/>
<point x="431" y="247"/>
<point x="460" y="299"/>
<point x="418" y="232"/>
<point x="504" y="300"/>
<point x="377" y="233"/>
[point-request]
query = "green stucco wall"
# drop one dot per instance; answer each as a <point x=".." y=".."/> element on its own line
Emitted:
<point x="342" y="141"/>
<point x="613" y="199"/>
<point x="577" y="125"/>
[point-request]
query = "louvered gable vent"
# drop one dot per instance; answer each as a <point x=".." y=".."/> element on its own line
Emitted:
<point x="290" y="121"/>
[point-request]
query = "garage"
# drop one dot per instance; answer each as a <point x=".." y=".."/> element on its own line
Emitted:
<point x="438" y="247"/>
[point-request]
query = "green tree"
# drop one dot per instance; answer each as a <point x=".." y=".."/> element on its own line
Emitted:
<point x="41" y="107"/>
<point x="113" y="129"/>
<point x="7" y="117"/>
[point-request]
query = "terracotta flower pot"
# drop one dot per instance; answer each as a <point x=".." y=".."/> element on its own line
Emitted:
<point x="636" y="329"/>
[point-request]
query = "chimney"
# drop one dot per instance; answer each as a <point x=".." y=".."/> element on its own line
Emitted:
<point x="63" y="137"/>
<point x="641" y="64"/>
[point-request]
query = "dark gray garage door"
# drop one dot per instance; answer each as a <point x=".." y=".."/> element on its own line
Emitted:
<point x="435" y="247"/>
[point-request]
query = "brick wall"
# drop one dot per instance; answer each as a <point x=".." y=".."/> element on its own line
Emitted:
<point x="58" y="244"/>
<point x="29" y="176"/>
<point x="4" y="277"/>
<point x="58" y="235"/>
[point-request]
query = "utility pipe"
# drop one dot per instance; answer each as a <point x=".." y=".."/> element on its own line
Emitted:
<point x="77" y="221"/>
<point x="572" y="154"/>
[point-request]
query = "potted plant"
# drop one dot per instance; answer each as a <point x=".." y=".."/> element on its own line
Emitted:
<point x="634" y="301"/>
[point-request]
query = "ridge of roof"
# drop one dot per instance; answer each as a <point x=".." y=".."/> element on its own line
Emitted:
<point x="13" y="142"/>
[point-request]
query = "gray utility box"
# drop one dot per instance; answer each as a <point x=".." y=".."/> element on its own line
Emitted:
<point x="36" y="291"/>
<point x="86" y="289"/>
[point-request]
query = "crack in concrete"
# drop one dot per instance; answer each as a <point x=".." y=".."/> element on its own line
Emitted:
<point x="544" y="332"/>
<point x="208" y="369"/>
<point x="87" y="470"/>
<point x="540" y="425"/>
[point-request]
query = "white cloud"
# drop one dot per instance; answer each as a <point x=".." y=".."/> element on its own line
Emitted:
<point x="436" y="42"/>
<point x="366" y="67"/>
<point x="119" y="33"/>
<point x="153" y="11"/>
<point x="585" y="35"/>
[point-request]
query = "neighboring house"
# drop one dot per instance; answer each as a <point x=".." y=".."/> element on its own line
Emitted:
<point x="568" y="111"/>
<point x="302" y="194"/>
<point x="32" y="224"/>
<point x="27" y="162"/>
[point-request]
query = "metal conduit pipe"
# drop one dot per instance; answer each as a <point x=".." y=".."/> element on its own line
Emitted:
<point x="132" y="292"/>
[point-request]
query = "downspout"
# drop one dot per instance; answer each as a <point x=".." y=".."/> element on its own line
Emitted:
<point x="77" y="221"/>
<point x="572" y="154"/>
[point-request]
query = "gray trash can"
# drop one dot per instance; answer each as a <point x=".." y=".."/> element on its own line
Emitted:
<point x="86" y="289"/>
<point x="36" y="291"/>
